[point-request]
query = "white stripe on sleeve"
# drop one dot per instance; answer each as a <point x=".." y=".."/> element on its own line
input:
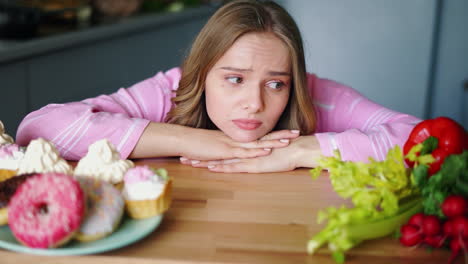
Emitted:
<point x="127" y="135"/>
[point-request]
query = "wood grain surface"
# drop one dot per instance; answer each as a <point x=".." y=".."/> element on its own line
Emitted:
<point x="241" y="218"/>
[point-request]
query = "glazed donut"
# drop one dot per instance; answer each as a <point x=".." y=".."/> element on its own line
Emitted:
<point x="105" y="206"/>
<point x="46" y="210"/>
<point x="7" y="189"/>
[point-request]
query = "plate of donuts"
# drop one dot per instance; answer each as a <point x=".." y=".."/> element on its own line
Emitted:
<point x="129" y="231"/>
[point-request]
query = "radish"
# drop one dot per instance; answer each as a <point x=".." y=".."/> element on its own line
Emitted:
<point x="454" y="205"/>
<point x="455" y="245"/>
<point x="460" y="227"/>
<point x="410" y="235"/>
<point x="434" y="241"/>
<point x="422" y="228"/>
<point x="448" y="228"/>
<point x="431" y="225"/>
<point x="416" y="220"/>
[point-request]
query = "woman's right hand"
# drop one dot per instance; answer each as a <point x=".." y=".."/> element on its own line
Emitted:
<point x="203" y="144"/>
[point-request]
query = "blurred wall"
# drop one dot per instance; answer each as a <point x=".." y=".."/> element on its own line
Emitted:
<point x="411" y="56"/>
<point x="449" y="94"/>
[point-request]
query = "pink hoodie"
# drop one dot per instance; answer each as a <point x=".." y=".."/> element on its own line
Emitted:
<point x="346" y="120"/>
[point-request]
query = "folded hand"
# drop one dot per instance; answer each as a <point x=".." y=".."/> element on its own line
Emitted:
<point x="302" y="152"/>
<point x="207" y="145"/>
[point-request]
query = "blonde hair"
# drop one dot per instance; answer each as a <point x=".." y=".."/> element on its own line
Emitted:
<point x="230" y="22"/>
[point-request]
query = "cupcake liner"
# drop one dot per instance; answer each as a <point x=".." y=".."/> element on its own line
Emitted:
<point x="140" y="209"/>
<point x="6" y="174"/>
<point x="3" y="216"/>
<point x="119" y="186"/>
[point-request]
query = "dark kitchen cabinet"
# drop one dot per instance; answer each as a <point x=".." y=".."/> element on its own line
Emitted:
<point x="82" y="64"/>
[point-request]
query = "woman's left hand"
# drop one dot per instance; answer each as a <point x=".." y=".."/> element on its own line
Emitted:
<point x="302" y="152"/>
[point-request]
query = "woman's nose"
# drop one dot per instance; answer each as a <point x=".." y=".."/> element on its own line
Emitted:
<point x="253" y="100"/>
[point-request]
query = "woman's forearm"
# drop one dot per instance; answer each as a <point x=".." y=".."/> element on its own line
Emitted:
<point x="160" y="140"/>
<point x="169" y="140"/>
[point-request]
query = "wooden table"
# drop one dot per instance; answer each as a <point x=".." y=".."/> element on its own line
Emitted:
<point x="241" y="218"/>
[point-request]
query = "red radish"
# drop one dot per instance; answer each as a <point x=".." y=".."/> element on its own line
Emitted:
<point x="448" y="228"/>
<point x="454" y="205"/>
<point x="455" y="245"/>
<point x="434" y="241"/>
<point x="410" y="235"/>
<point x="431" y="225"/>
<point x="459" y="232"/>
<point x="416" y="220"/>
<point x="460" y="227"/>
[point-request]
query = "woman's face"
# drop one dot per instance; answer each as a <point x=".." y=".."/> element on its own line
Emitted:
<point x="248" y="88"/>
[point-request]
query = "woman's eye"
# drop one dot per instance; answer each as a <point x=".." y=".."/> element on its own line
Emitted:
<point x="235" y="80"/>
<point x="275" y="85"/>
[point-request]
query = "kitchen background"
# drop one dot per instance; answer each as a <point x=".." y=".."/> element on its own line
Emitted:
<point x="411" y="56"/>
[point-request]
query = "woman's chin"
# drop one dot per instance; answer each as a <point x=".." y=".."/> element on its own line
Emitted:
<point x="244" y="137"/>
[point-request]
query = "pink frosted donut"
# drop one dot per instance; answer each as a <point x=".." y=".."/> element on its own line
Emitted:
<point x="46" y="210"/>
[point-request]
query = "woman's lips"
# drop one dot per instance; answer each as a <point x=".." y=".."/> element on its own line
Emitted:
<point x="247" y="124"/>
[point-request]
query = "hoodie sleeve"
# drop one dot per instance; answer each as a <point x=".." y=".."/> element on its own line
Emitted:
<point x="353" y="124"/>
<point x="120" y="117"/>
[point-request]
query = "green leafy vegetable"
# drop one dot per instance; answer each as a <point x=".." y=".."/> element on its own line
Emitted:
<point x="452" y="178"/>
<point x="383" y="199"/>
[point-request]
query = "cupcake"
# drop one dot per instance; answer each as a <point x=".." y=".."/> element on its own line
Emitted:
<point x="10" y="155"/>
<point x="6" y="174"/>
<point x="103" y="162"/>
<point x="4" y="137"/>
<point x="147" y="192"/>
<point x="41" y="156"/>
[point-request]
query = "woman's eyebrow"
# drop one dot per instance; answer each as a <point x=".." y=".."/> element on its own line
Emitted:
<point x="276" y="73"/>
<point x="272" y="73"/>
<point x="234" y="69"/>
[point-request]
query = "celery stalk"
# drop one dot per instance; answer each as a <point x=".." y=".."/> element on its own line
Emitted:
<point x="383" y="199"/>
<point x="386" y="226"/>
<point x="365" y="230"/>
<point x="343" y="237"/>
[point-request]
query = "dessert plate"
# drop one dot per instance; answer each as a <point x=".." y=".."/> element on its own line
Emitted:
<point x="129" y="231"/>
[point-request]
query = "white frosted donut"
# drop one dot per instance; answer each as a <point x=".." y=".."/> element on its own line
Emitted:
<point x="105" y="206"/>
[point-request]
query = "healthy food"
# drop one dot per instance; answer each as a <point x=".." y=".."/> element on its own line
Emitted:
<point x="427" y="202"/>
<point x="439" y="164"/>
<point x="451" y="179"/>
<point x="422" y="229"/>
<point x="434" y="232"/>
<point x="451" y="136"/>
<point x="382" y="195"/>
<point x="454" y="205"/>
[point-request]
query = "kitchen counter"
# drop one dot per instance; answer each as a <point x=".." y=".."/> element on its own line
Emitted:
<point x="241" y="218"/>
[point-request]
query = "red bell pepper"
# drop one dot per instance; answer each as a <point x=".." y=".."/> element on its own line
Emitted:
<point x="452" y="139"/>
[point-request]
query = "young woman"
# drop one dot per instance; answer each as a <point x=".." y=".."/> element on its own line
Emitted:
<point x="242" y="102"/>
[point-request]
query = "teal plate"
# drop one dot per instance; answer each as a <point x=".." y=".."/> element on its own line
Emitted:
<point x="129" y="231"/>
